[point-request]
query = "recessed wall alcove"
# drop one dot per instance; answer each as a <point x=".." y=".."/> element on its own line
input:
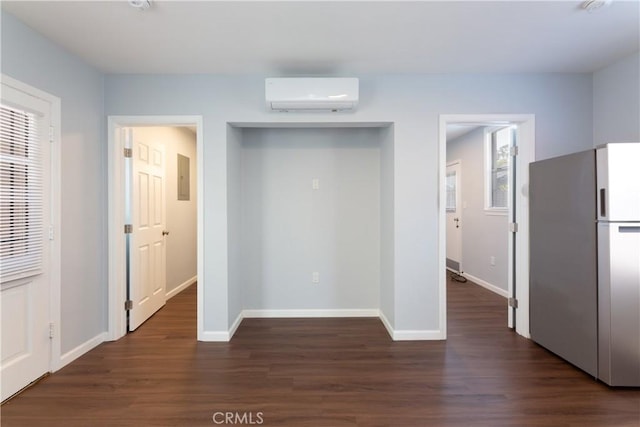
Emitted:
<point x="310" y="221"/>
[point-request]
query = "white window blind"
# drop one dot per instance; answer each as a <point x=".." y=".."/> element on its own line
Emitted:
<point x="21" y="195"/>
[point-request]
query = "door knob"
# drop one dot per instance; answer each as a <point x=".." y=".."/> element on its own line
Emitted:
<point x="165" y="233"/>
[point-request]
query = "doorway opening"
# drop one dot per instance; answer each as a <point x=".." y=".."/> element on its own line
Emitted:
<point x="155" y="248"/>
<point x="488" y="208"/>
<point x="454" y="217"/>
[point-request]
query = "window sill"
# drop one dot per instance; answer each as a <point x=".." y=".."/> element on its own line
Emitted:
<point x="497" y="212"/>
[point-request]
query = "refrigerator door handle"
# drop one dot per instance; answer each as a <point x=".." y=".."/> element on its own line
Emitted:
<point x="603" y="203"/>
<point x="628" y="229"/>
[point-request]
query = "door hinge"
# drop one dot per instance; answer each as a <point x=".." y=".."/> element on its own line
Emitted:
<point x="513" y="150"/>
<point x="128" y="153"/>
<point x="51" y="235"/>
<point x="128" y="229"/>
<point x="513" y="227"/>
<point x="513" y="302"/>
<point x="128" y="304"/>
<point x="51" y="133"/>
<point x="51" y="330"/>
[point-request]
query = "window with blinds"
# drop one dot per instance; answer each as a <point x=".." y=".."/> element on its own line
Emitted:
<point x="451" y="191"/>
<point x="21" y="195"/>
<point x="498" y="168"/>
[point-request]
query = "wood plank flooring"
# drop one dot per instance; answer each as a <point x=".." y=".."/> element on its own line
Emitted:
<point x="324" y="372"/>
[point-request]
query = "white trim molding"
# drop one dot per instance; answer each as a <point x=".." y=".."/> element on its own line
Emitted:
<point x="493" y="288"/>
<point x="395" y="335"/>
<point x="82" y="349"/>
<point x="386" y="324"/>
<point x="236" y="324"/>
<point x="371" y="312"/>
<point x="181" y="287"/>
<point x="411" y="335"/>
<point x="418" y="335"/>
<point x="215" y="336"/>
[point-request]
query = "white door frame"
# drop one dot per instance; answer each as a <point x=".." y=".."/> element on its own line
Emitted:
<point x="117" y="267"/>
<point x="526" y="155"/>
<point x="55" y="174"/>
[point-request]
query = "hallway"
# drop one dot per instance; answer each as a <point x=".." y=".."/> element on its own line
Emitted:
<point x="324" y="372"/>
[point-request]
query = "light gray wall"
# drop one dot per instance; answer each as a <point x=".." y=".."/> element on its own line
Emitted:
<point x="561" y="103"/>
<point x="181" y="215"/>
<point x="237" y="262"/>
<point x="290" y="230"/>
<point x="616" y="102"/>
<point x="483" y="235"/>
<point x="33" y="59"/>
<point x="387" y="226"/>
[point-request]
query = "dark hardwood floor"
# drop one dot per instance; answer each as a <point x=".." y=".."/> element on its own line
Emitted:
<point x="324" y="372"/>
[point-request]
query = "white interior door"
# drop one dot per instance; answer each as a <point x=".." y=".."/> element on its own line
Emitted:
<point x="147" y="273"/>
<point x="25" y="213"/>
<point x="454" y="218"/>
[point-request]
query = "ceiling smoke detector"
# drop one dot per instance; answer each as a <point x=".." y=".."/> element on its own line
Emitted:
<point x="591" y="5"/>
<point x="140" y="4"/>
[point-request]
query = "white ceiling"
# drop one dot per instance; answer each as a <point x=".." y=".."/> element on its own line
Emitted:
<point x="334" y="37"/>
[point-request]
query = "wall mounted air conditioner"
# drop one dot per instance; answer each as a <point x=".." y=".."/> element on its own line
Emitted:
<point x="311" y="94"/>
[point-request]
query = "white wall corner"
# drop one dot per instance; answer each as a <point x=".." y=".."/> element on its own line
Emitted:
<point x="411" y="335"/>
<point x="78" y="351"/>
<point x="222" y="336"/>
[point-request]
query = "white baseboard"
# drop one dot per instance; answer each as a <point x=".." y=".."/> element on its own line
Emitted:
<point x="396" y="335"/>
<point x="410" y="335"/>
<point x="418" y="335"/>
<point x="487" y="285"/>
<point x="83" y="348"/>
<point x="386" y="324"/>
<point x="366" y="312"/>
<point x="236" y="324"/>
<point x="215" y="336"/>
<point x="181" y="287"/>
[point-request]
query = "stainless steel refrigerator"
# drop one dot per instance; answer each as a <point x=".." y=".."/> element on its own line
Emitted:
<point x="585" y="260"/>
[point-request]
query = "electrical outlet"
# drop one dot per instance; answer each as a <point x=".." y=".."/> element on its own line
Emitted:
<point x="315" y="277"/>
<point x="315" y="184"/>
<point x="492" y="260"/>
